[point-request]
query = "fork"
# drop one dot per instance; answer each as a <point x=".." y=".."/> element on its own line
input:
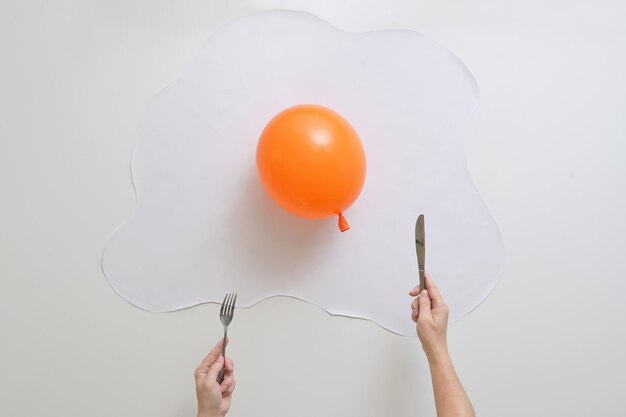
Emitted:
<point x="226" y="316"/>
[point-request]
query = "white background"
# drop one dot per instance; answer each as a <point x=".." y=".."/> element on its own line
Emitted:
<point x="547" y="149"/>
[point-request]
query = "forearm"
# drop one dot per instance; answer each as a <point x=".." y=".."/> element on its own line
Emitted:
<point x="450" y="397"/>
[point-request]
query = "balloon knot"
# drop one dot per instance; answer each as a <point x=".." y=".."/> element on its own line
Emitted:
<point x="343" y="223"/>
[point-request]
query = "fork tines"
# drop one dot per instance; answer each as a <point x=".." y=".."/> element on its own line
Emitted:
<point x="228" y="305"/>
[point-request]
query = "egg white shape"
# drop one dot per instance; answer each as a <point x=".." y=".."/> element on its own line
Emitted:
<point x="203" y="225"/>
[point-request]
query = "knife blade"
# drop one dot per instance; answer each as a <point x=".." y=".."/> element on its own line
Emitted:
<point x="420" y="248"/>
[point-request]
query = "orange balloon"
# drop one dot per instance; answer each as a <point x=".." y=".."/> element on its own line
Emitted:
<point x="311" y="162"/>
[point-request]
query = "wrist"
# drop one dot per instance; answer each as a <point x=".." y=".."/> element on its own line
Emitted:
<point x="208" y="414"/>
<point x="438" y="356"/>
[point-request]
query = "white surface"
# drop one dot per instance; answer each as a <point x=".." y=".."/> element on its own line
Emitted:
<point x="546" y="150"/>
<point x="204" y="227"/>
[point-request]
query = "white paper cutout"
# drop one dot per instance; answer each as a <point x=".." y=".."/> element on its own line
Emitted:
<point x="203" y="225"/>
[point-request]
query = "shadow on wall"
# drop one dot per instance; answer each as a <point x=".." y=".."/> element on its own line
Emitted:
<point x="274" y="241"/>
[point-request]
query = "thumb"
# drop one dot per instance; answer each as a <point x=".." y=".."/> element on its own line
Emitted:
<point x="424" y="305"/>
<point x="215" y="369"/>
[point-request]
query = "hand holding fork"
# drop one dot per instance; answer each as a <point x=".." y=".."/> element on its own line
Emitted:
<point x="226" y="316"/>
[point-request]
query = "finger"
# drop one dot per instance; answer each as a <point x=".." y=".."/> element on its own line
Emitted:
<point x="215" y="369"/>
<point x="212" y="355"/>
<point x="228" y="376"/>
<point x="226" y="401"/>
<point x="230" y="365"/>
<point x="424" y="306"/>
<point x="435" y="295"/>
<point x="231" y="389"/>
<point x="415" y="291"/>
<point x="229" y="380"/>
<point x="208" y="360"/>
<point x="414" y="310"/>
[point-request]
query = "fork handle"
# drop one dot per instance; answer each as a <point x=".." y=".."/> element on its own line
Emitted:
<point x="220" y="376"/>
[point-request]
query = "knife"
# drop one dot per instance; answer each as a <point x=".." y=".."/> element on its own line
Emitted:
<point x="420" y="248"/>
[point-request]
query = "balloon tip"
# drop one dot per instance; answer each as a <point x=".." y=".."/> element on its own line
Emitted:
<point x="343" y="223"/>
